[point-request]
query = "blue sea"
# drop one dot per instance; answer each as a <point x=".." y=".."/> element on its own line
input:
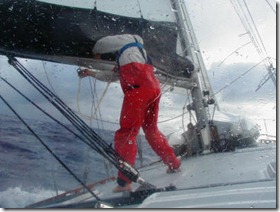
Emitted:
<point x="29" y="173"/>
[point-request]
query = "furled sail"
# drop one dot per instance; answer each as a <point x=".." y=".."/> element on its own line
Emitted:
<point x="58" y="33"/>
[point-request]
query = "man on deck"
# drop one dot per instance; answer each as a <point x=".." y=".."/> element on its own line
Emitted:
<point x="141" y="100"/>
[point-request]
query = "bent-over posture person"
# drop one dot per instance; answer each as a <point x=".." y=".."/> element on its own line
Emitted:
<point x="141" y="100"/>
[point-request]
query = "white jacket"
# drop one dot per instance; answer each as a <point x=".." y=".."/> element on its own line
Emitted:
<point x="111" y="44"/>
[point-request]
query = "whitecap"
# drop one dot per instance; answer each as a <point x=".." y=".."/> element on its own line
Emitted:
<point x="20" y="198"/>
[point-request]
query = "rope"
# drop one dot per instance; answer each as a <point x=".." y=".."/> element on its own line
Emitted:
<point x="90" y="118"/>
<point x="94" y="111"/>
<point x="99" y="145"/>
<point x="93" y="115"/>
<point x="47" y="76"/>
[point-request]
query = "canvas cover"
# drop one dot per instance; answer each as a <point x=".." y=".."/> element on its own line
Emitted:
<point x="41" y="28"/>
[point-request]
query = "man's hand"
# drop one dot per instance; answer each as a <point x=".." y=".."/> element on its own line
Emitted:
<point x="85" y="72"/>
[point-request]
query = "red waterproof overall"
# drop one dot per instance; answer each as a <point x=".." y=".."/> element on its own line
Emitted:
<point x="140" y="109"/>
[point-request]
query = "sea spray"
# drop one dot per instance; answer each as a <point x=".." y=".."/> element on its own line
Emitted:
<point x="18" y="197"/>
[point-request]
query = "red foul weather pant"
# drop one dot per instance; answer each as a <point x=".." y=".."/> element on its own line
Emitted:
<point x="140" y="109"/>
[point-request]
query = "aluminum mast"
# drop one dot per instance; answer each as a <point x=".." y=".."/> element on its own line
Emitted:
<point x="190" y="48"/>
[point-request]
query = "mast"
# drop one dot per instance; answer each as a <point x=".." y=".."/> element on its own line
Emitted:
<point x="191" y="48"/>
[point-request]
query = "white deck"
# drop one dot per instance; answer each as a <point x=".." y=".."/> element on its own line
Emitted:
<point x="245" y="178"/>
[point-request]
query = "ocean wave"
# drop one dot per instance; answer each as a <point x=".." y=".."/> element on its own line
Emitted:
<point x="7" y="147"/>
<point x="28" y="172"/>
<point x="17" y="197"/>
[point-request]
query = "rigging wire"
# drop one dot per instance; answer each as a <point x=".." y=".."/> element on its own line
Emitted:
<point x="90" y="118"/>
<point x="254" y="35"/>
<point x="233" y="53"/>
<point x="106" y="163"/>
<point x="39" y="108"/>
<point x="140" y="10"/>
<point x="116" y="123"/>
<point x="246" y="72"/>
<point x="95" y="4"/>
<point x="244" y="20"/>
<point x="270" y="6"/>
<point x="47" y="114"/>
<point x="49" y="150"/>
<point x="175" y="117"/>
<point x="99" y="145"/>
<point x="163" y="85"/>
<point x="256" y="30"/>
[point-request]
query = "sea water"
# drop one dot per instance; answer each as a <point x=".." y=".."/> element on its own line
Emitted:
<point x="29" y="173"/>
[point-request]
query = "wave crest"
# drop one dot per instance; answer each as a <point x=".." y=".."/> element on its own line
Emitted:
<point x="19" y="198"/>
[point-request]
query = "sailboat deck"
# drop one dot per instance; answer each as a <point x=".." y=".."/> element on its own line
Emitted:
<point x="212" y="180"/>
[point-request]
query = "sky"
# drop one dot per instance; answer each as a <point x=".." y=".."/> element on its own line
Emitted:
<point x="220" y="35"/>
<point x="220" y="32"/>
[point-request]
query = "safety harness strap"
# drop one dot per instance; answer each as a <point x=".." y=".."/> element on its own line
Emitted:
<point x="125" y="47"/>
<point x="129" y="45"/>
